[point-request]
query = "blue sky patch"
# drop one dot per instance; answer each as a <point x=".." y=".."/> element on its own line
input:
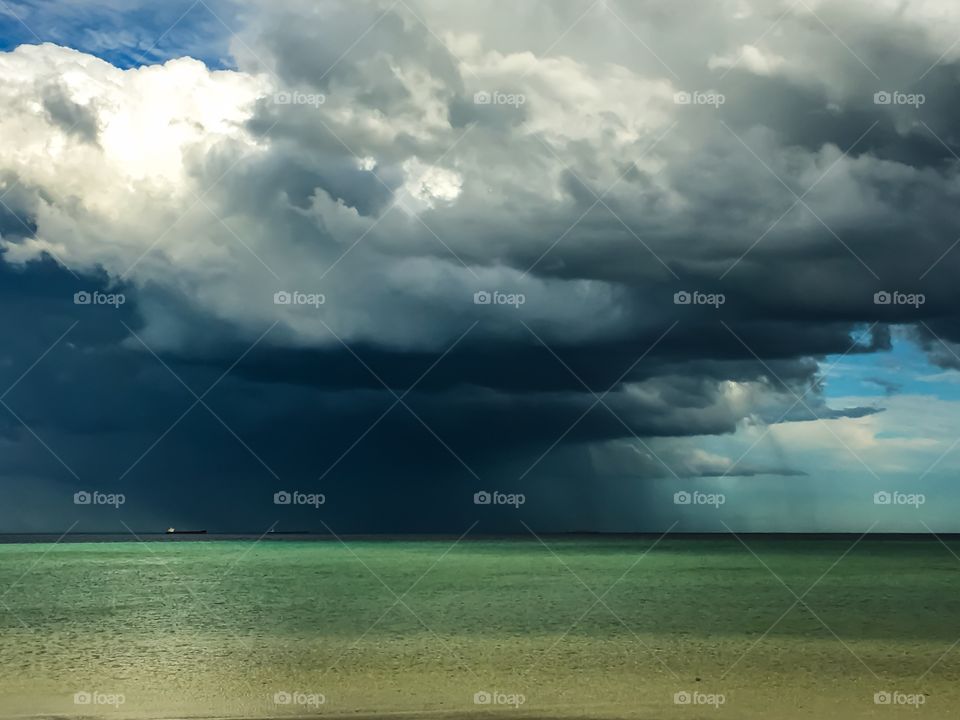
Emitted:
<point x="126" y="33"/>
<point x="903" y="370"/>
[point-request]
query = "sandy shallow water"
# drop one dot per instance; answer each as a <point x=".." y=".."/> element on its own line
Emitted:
<point x="694" y="629"/>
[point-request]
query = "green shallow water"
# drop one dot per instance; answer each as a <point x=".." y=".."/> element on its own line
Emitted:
<point x="198" y="629"/>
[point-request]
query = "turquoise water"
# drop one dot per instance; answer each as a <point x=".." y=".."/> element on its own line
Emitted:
<point x="203" y="629"/>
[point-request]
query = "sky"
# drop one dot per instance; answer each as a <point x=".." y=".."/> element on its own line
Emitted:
<point x="420" y="266"/>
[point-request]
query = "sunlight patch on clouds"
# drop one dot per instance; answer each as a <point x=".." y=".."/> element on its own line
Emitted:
<point x="427" y="185"/>
<point x="912" y="432"/>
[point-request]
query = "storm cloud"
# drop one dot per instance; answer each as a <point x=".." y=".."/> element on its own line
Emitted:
<point x="403" y="252"/>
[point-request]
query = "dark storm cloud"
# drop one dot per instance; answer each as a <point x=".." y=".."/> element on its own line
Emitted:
<point x="940" y="338"/>
<point x="95" y="415"/>
<point x="600" y="207"/>
<point x="309" y="44"/>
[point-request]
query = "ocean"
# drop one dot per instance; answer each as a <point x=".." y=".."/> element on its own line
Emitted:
<point x="566" y="627"/>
